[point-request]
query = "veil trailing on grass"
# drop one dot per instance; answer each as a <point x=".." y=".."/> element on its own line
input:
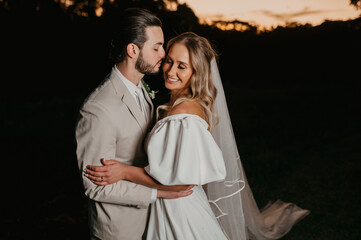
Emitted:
<point x="232" y="200"/>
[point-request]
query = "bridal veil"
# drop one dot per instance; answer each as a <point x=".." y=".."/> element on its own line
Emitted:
<point x="232" y="199"/>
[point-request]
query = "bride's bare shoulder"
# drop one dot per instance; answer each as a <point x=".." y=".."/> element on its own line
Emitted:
<point x="188" y="107"/>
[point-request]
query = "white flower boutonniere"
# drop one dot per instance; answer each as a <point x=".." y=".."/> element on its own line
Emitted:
<point x="151" y="93"/>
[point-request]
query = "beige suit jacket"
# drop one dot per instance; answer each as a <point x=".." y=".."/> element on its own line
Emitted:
<point x="111" y="126"/>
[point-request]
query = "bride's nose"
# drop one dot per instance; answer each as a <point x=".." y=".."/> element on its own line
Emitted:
<point x="172" y="71"/>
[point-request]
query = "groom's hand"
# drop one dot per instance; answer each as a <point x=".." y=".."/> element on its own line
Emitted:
<point x="173" y="194"/>
<point x="112" y="171"/>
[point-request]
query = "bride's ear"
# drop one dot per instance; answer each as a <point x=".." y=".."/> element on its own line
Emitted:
<point x="132" y="50"/>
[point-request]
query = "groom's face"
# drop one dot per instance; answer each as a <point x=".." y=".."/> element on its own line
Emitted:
<point x="152" y="52"/>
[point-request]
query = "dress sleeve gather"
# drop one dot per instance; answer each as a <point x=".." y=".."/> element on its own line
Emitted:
<point x="182" y="151"/>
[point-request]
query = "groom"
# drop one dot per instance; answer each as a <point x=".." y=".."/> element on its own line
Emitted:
<point x="114" y="120"/>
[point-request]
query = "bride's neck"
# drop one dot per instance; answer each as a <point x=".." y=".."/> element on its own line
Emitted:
<point x="174" y="95"/>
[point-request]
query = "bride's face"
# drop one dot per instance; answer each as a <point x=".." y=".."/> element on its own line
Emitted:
<point x="177" y="68"/>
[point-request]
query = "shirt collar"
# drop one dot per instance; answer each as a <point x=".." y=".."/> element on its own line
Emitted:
<point x="130" y="86"/>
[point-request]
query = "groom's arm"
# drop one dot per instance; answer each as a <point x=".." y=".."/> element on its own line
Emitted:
<point x="113" y="171"/>
<point x="96" y="138"/>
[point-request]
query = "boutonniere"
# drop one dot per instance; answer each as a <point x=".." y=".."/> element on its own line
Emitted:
<point x="151" y="93"/>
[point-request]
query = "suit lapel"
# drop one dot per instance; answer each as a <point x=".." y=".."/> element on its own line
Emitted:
<point x="128" y="100"/>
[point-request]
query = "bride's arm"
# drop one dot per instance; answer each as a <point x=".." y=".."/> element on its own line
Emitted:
<point x="114" y="171"/>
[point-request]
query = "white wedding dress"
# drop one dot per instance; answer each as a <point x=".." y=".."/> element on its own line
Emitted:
<point x="182" y="151"/>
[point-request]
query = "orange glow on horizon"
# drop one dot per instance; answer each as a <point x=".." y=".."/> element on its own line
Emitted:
<point x="267" y="14"/>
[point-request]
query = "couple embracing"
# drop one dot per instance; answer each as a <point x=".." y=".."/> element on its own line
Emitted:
<point x="179" y="177"/>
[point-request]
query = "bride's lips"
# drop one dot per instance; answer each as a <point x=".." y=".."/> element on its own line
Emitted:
<point x="171" y="80"/>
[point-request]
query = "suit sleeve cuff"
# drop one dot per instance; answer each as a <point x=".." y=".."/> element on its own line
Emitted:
<point x="154" y="195"/>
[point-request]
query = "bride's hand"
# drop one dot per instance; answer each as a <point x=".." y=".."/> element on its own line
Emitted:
<point x="176" y="188"/>
<point x="111" y="172"/>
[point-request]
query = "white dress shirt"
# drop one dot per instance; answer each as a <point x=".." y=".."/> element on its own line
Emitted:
<point x="138" y="94"/>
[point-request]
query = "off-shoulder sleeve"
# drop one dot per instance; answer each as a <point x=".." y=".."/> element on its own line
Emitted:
<point x="182" y="151"/>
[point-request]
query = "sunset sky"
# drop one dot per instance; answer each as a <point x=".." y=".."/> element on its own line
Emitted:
<point x="267" y="13"/>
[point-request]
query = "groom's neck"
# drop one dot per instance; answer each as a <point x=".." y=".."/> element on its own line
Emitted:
<point x="129" y="72"/>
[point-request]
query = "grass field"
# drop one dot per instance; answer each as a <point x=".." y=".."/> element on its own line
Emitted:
<point x="299" y="142"/>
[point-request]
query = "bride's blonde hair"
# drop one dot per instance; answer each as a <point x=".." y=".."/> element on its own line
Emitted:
<point x="201" y="88"/>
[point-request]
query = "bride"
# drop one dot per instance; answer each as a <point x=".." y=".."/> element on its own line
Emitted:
<point x="193" y="143"/>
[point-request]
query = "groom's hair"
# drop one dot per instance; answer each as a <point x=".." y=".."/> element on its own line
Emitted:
<point x="131" y="28"/>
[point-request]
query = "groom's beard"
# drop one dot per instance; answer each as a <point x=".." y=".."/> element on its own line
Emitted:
<point x="143" y="67"/>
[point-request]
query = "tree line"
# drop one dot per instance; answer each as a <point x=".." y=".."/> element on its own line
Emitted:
<point x="70" y="43"/>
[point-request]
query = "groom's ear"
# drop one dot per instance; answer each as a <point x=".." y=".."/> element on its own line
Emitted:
<point x="132" y="50"/>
